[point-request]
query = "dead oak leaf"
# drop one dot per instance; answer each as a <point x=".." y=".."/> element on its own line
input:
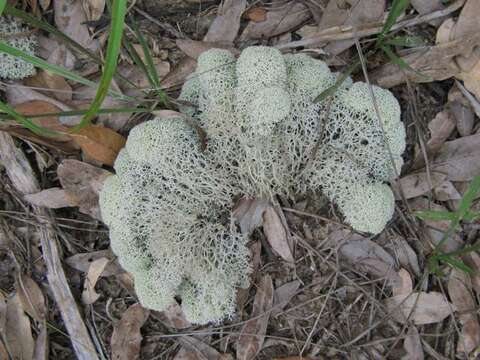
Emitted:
<point x="126" y="337"/>
<point x="100" y="143"/>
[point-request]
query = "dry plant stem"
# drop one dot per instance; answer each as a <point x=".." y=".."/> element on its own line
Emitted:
<point x="23" y="179"/>
<point x="349" y="32"/>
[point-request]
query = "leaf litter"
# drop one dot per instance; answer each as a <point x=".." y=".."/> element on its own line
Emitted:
<point x="285" y="306"/>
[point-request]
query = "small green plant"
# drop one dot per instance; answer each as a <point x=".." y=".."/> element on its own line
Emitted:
<point x="438" y="257"/>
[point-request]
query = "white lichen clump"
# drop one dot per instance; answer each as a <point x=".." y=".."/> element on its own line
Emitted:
<point x="14" y="34"/>
<point x="168" y="207"/>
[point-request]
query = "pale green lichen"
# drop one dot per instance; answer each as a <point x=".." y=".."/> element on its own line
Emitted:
<point x="18" y="37"/>
<point x="168" y="207"/>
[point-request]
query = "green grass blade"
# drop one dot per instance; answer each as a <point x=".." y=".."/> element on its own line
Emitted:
<point x="25" y="122"/>
<point x="2" y="6"/>
<point x="396" y="10"/>
<point x="150" y="65"/>
<point x="119" y="8"/>
<point x="459" y="264"/>
<point x="333" y="89"/>
<point x="401" y="63"/>
<point x="81" y="112"/>
<point x="54" y="68"/>
<point x="435" y="215"/>
<point x="135" y="57"/>
<point x="467" y="199"/>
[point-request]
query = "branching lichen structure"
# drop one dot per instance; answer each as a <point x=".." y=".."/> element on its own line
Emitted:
<point x="169" y="205"/>
<point x="21" y="38"/>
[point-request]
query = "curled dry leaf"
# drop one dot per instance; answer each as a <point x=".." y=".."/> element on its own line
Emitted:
<point x="252" y="335"/>
<point x="89" y="295"/>
<point x="31" y="297"/>
<point x="53" y="198"/>
<point x="126" y="337"/>
<point x="82" y="182"/>
<point x="464" y="116"/>
<point x="225" y="26"/>
<point x="419" y="307"/>
<point x="413" y="345"/>
<point x="446" y="191"/>
<point x="460" y="291"/>
<point x="405" y="286"/>
<point x="417" y="184"/>
<point x="82" y="262"/>
<point x="279" y="20"/>
<point x="18" y="331"/>
<point x="276" y="234"/>
<point x="195" y="349"/>
<point x="430" y="63"/>
<point x="100" y="143"/>
<point x="459" y="159"/>
<point x="366" y="255"/>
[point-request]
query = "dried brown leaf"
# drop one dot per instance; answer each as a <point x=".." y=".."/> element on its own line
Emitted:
<point x="195" y="349"/>
<point x="257" y="14"/>
<point x="432" y="62"/>
<point x="82" y="262"/>
<point x="283" y="294"/>
<point x="472" y="259"/>
<point x="427" y="6"/>
<point x="93" y="9"/>
<point x="403" y="253"/>
<point x="53" y="198"/>
<point x="179" y="73"/>
<point x="31" y="297"/>
<point x="194" y="49"/>
<point x="174" y="317"/>
<point x="460" y="291"/>
<point x="18" y="331"/>
<point x="138" y="77"/>
<point x="446" y="191"/>
<point x="417" y="184"/>
<point x="82" y="182"/>
<point x="249" y="214"/>
<point x="47" y="80"/>
<point x="89" y="295"/>
<point x="70" y="19"/>
<point x="126" y="337"/>
<point x="253" y="332"/>
<point x="279" y="20"/>
<point x="349" y="13"/>
<point x="459" y="159"/>
<point x="276" y="234"/>
<point x="464" y="116"/>
<point x="423" y="308"/>
<point x="99" y="143"/>
<point x="413" y="345"/>
<point x="405" y="286"/>
<point x="366" y="255"/>
<point x="227" y="23"/>
<point x="35" y="107"/>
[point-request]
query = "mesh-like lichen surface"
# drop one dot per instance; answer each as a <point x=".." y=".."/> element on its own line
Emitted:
<point x="19" y="37"/>
<point x="168" y="207"/>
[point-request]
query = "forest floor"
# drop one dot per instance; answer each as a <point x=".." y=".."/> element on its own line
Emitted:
<point x="319" y="290"/>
